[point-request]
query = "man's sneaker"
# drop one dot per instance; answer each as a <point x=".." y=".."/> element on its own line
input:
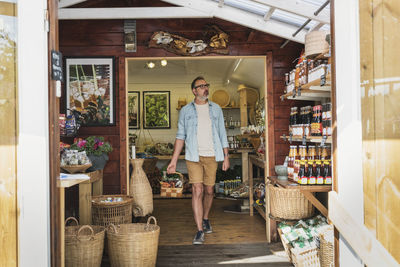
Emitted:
<point x="199" y="238"/>
<point x="207" y="227"/>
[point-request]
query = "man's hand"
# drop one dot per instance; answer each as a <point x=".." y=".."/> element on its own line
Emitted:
<point x="171" y="167"/>
<point x="225" y="164"/>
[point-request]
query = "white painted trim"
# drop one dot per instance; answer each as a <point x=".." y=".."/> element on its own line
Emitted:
<point x="130" y="13"/>
<point x="294" y="7"/>
<point x="33" y="136"/>
<point x="363" y="241"/>
<point x="349" y="131"/>
<point x="67" y="3"/>
<point x="243" y="18"/>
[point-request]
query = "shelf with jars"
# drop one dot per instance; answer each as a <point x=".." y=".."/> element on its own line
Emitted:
<point x="310" y="80"/>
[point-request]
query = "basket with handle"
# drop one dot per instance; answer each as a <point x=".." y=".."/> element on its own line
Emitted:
<point x="172" y="191"/>
<point x="289" y="204"/>
<point x="134" y="244"/>
<point x="83" y="245"/>
<point x="326" y="248"/>
<point x="116" y="212"/>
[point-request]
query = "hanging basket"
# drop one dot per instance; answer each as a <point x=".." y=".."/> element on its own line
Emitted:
<point x="83" y="245"/>
<point x="134" y="244"/>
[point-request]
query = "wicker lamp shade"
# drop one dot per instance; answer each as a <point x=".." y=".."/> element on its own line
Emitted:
<point x="315" y="43"/>
<point x="252" y="94"/>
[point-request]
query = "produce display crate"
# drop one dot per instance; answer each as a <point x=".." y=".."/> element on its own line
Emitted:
<point x="118" y="212"/>
<point x="289" y="204"/>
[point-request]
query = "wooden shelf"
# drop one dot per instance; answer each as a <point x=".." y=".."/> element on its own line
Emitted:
<point x="291" y="184"/>
<point x="260" y="210"/>
<point x="312" y="91"/>
<point x="235" y="107"/>
<point x="311" y="139"/>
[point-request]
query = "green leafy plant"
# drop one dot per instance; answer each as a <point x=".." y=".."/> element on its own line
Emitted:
<point x="93" y="145"/>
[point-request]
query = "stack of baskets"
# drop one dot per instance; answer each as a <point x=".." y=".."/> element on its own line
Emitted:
<point x="116" y="212"/>
<point x="83" y="245"/>
<point x="289" y="204"/>
<point x="134" y="244"/>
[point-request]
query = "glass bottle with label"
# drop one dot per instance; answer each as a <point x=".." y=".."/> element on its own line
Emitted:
<point x="311" y="173"/>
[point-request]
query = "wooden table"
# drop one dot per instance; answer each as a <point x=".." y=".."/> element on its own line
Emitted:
<point x="85" y="198"/>
<point x="62" y="184"/>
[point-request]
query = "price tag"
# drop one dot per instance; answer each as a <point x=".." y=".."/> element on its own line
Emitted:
<point x="290" y="138"/>
<point x="299" y="91"/>
<point x="56" y="66"/>
<point x="323" y="140"/>
<point x="304" y="140"/>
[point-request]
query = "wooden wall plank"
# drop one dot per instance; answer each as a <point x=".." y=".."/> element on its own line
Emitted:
<point x="8" y="147"/>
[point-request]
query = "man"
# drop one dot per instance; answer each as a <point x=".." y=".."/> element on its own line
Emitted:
<point x="201" y="128"/>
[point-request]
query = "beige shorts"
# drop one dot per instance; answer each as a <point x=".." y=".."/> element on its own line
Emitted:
<point x="203" y="171"/>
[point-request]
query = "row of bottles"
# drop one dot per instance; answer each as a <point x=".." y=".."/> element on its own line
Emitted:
<point x="304" y="153"/>
<point x="228" y="186"/>
<point x="311" y="172"/>
<point x="311" y="121"/>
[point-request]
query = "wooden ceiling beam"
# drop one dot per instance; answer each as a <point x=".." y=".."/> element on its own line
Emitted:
<point x="243" y="18"/>
<point x="300" y="9"/>
<point x="67" y="3"/>
<point x="129" y="13"/>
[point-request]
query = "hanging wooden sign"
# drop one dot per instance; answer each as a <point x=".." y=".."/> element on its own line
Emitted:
<point x="216" y="42"/>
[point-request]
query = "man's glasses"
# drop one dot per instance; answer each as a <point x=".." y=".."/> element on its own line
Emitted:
<point x="202" y="86"/>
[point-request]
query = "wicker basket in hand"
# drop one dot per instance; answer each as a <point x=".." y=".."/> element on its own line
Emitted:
<point x="173" y="191"/>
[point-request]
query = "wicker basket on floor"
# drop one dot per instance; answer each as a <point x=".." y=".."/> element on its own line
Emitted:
<point x="307" y="258"/>
<point x="83" y="245"/>
<point x="134" y="244"/>
<point x="289" y="204"/>
<point x="326" y="248"/>
<point x="117" y="212"/>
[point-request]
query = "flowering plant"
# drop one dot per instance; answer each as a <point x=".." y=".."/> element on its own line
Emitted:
<point x="93" y="145"/>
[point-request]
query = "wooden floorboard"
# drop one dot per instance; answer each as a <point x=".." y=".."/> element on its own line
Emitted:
<point x="237" y="239"/>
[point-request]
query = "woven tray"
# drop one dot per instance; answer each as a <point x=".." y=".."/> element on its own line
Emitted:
<point x="76" y="168"/>
<point x="105" y="213"/>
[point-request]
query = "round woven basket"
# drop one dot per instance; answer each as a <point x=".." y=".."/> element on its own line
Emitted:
<point x="221" y="97"/>
<point x="134" y="244"/>
<point x="105" y="213"/>
<point x="289" y="204"/>
<point x="76" y="168"/>
<point x="83" y="245"/>
<point x="252" y="94"/>
<point x="315" y="43"/>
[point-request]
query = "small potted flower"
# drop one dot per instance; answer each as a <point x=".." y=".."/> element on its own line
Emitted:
<point x="96" y="149"/>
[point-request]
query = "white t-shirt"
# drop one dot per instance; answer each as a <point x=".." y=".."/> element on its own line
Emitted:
<point x="204" y="131"/>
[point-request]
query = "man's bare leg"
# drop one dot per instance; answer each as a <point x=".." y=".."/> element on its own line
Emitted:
<point x="207" y="200"/>
<point x="197" y="204"/>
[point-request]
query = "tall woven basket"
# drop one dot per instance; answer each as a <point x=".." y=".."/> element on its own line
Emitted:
<point x="105" y="213"/>
<point x="83" y="245"/>
<point x="134" y="244"/>
<point x="140" y="190"/>
<point x="289" y="204"/>
<point x="326" y="248"/>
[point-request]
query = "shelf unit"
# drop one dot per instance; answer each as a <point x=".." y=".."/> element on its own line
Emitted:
<point x="311" y="139"/>
<point x="312" y="91"/>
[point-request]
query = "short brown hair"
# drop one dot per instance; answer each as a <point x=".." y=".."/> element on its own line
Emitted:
<point x="198" y="78"/>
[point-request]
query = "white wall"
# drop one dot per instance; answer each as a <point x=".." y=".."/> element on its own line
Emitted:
<point x="349" y="143"/>
<point x="33" y="141"/>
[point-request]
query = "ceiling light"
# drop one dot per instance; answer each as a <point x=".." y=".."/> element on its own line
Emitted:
<point x="164" y="62"/>
<point x="150" y="64"/>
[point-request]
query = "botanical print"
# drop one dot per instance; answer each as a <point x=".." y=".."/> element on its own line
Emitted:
<point x="156" y="106"/>
<point x="90" y="89"/>
<point x="133" y="110"/>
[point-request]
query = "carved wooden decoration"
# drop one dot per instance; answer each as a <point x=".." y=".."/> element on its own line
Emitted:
<point x="216" y="42"/>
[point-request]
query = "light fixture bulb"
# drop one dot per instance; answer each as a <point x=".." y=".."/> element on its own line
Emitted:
<point x="151" y="64"/>
<point x="164" y="62"/>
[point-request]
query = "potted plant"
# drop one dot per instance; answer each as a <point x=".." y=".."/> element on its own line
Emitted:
<point x="96" y="149"/>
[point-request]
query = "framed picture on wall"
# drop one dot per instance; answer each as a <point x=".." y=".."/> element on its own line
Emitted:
<point x="156" y="110"/>
<point x="90" y="89"/>
<point x="134" y="110"/>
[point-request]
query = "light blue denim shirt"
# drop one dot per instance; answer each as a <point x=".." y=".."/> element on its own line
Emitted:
<point x="187" y="130"/>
